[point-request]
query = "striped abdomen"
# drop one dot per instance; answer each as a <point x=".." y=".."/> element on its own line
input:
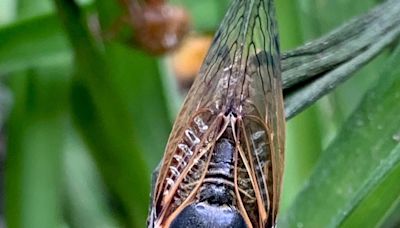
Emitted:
<point x="215" y="204"/>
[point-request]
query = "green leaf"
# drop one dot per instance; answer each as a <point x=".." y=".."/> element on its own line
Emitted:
<point x="311" y="131"/>
<point x="303" y="141"/>
<point x="35" y="142"/>
<point x="86" y="199"/>
<point x="27" y="8"/>
<point x="104" y="121"/>
<point x="365" y="151"/>
<point x="391" y="218"/>
<point x="34" y="42"/>
<point x="378" y="204"/>
<point x="138" y="79"/>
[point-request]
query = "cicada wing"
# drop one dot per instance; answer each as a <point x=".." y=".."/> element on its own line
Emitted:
<point x="184" y="160"/>
<point x="261" y="140"/>
<point x="264" y="129"/>
<point x="261" y="134"/>
<point x="257" y="171"/>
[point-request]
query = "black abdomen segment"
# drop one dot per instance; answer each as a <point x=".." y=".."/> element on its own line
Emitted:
<point x="218" y="183"/>
<point x="214" y="208"/>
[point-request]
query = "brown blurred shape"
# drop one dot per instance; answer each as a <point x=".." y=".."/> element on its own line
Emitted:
<point x="158" y="26"/>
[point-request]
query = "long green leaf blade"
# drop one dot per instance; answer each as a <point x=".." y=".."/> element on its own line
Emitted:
<point x="34" y="145"/>
<point x="364" y="152"/>
<point x="104" y="120"/>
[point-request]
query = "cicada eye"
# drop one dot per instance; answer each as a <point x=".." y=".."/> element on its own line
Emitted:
<point x="204" y="215"/>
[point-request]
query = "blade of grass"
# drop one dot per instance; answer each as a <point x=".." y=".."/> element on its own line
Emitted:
<point x="34" y="143"/>
<point x="33" y="42"/>
<point x="392" y="218"/>
<point x="104" y="121"/>
<point x="356" y="161"/>
<point x="330" y="14"/>
<point x="378" y="203"/>
<point x="303" y="132"/>
<point x="27" y="8"/>
<point x="139" y="81"/>
<point x="86" y="198"/>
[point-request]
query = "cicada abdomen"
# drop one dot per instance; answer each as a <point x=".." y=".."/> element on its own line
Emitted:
<point x="223" y="163"/>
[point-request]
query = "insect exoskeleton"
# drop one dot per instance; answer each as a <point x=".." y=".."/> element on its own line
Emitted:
<point x="214" y="204"/>
<point x="223" y="163"/>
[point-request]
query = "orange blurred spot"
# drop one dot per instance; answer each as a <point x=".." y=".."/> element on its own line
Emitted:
<point x="187" y="60"/>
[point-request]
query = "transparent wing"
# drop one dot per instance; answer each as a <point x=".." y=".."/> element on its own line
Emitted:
<point x="241" y="73"/>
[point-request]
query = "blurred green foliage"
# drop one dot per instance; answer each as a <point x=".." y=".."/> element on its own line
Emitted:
<point x="90" y="120"/>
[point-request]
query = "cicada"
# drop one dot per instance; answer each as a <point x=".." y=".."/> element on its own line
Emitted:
<point x="223" y="163"/>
